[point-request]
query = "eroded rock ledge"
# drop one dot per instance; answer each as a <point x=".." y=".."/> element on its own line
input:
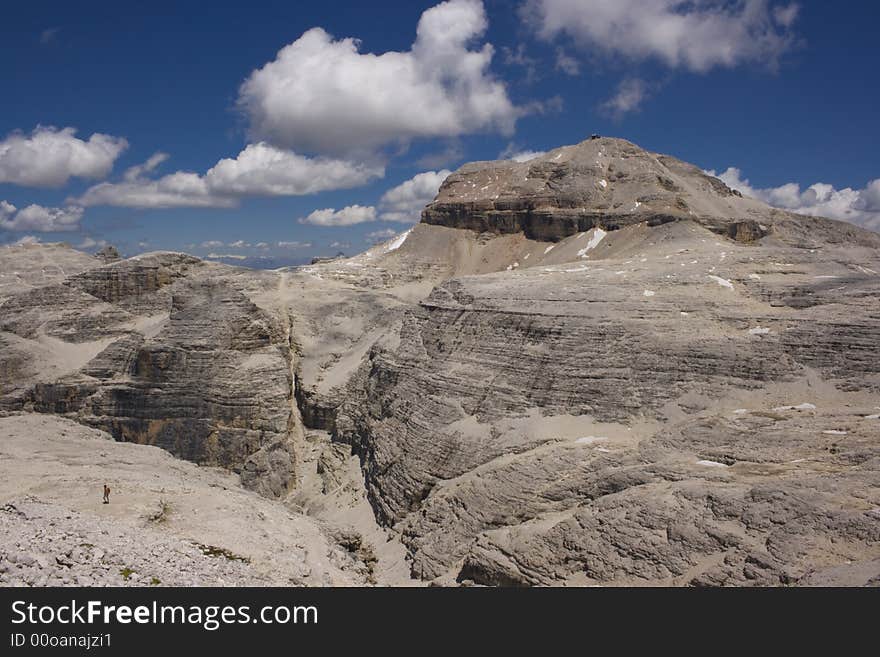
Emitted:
<point x="606" y="183"/>
<point x="158" y="351"/>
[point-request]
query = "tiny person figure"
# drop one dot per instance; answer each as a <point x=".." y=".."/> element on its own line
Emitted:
<point x="106" y="494"/>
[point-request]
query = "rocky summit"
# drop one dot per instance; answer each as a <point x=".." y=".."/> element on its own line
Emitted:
<point x="601" y="366"/>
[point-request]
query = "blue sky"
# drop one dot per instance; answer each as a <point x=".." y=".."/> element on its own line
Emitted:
<point x="778" y="98"/>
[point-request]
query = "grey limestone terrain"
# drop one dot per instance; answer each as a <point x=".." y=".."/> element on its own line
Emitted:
<point x="598" y="367"/>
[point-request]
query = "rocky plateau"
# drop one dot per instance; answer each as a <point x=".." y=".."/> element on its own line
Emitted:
<point x="598" y="367"/>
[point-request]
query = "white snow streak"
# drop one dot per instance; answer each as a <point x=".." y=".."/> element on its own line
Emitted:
<point x="598" y="236"/>
<point x="723" y="282"/>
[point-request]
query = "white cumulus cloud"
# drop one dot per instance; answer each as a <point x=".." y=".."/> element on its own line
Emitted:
<point x="225" y="256"/>
<point x="402" y="204"/>
<point x="176" y="190"/>
<point x="630" y="95"/>
<point x="258" y="170"/>
<point x="380" y="235"/>
<point x="39" y="218"/>
<point x="858" y="206"/>
<point x="405" y="202"/>
<point x="323" y="95"/>
<point x="49" y="157"/>
<point x="27" y="240"/>
<point x="566" y="63"/>
<point x="262" y="170"/>
<point x="6" y="210"/>
<point x="347" y="216"/>
<point x="91" y="243"/>
<point x="511" y="152"/>
<point x="138" y="171"/>
<point x="697" y="35"/>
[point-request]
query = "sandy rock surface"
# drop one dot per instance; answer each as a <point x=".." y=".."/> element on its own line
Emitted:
<point x="167" y="519"/>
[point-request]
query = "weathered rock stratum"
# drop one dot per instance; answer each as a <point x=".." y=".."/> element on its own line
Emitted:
<point x="606" y="183"/>
<point x="598" y="367"/>
<point x="156" y="350"/>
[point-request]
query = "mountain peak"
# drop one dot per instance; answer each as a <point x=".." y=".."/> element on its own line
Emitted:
<point x="603" y="181"/>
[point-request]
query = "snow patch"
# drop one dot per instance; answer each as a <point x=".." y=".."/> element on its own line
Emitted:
<point x="604" y="184"/>
<point x="549" y="249"/>
<point x="800" y="407"/>
<point x="723" y="282"/>
<point x="589" y="440"/>
<point x="758" y="330"/>
<point x="834" y="432"/>
<point x="712" y="464"/>
<point x="648" y="293"/>
<point x="398" y="241"/>
<point x="598" y="236"/>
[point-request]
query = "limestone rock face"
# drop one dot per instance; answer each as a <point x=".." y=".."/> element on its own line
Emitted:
<point x="505" y="385"/>
<point x="156" y="350"/>
<point x="532" y="427"/>
<point x="213" y="386"/>
<point x="633" y="400"/>
<point x="601" y="366"/>
<point x="608" y="183"/>
<point x="133" y="284"/>
<point x="168" y="523"/>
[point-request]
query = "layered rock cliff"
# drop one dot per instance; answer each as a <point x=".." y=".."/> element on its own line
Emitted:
<point x="601" y="366"/>
<point x="607" y="183"/>
<point x="632" y="399"/>
<point x="159" y="350"/>
<point x="525" y="415"/>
